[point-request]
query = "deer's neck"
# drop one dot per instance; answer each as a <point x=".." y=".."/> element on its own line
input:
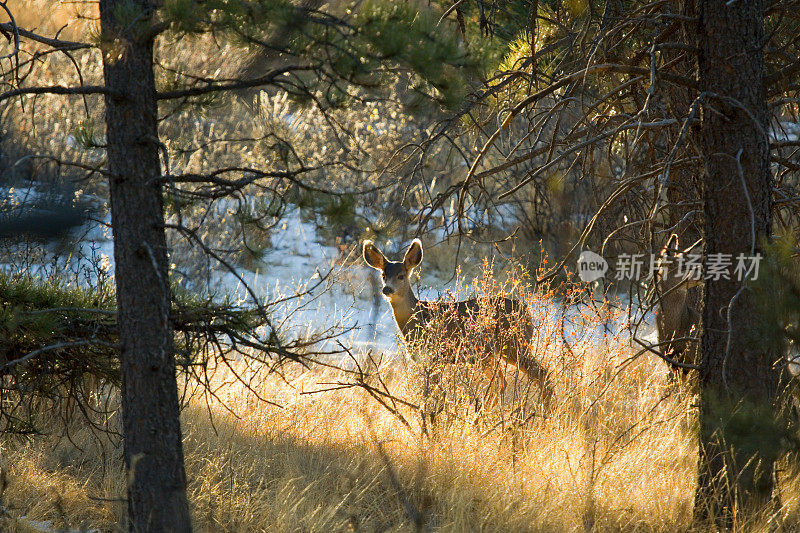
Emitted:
<point x="403" y="307"/>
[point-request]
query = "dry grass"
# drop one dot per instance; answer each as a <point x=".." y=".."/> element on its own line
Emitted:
<point x="324" y="462"/>
<point x="616" y="453"/>
<point x="316" y="465"/>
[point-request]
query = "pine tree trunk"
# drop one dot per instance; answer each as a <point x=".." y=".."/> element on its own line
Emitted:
<point x="737" y="381"/>
<point x="151" y="425"/>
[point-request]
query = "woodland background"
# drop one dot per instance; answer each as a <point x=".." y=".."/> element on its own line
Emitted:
<point x="188" y="337"/>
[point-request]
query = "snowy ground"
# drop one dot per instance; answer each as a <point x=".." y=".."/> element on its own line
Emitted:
<point x="296" y="261"/>
<point x="298" y="257"/>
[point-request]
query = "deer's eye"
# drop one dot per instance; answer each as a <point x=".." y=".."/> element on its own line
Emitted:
<point x="400" y="277"/>
<point x="383" y="276"/>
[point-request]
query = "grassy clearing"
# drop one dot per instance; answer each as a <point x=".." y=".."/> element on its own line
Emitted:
<point x="615" y="453"/>
<point x="325" y="461"/>
<point x="322" y="462"/>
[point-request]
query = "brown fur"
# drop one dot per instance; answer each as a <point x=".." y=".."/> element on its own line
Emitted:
<point x="497" y="328"/>
<point x="677" y="319"/>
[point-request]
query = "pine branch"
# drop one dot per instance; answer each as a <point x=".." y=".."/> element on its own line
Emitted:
<point x="58" y="89"/>
<point x="214" y="87"/>
<point x="57" y="346"/>
<point x="787" y="72"/>
<point x="55" y="43"/>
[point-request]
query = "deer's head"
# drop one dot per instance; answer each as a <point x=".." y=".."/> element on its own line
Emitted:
<point x="395" y="274"/>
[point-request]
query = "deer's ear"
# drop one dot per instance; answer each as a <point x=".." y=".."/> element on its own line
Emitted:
<point x="373" y="256"/>
<point x="670" y="249"/>
<point x="672" y="244"/>
<point x="413" y="255"/>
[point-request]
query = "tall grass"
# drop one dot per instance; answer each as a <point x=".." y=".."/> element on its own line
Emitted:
<point x="325" y="461"/>
<point x="616" y="452"/>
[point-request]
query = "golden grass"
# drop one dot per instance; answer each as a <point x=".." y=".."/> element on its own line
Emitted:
<point x="316" y="465"/>
<point x="617" y="451"/>
<point x="325" y="461"/>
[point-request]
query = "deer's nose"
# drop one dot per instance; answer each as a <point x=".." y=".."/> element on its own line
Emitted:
<point x="387" y="291"/>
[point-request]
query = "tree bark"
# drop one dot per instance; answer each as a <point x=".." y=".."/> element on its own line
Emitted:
<point x="153" y="449"/>
<point x="737" y="381"/>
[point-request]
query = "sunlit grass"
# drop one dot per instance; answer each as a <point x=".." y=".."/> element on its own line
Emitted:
<point x="317" y="464"/>
<point x="615" y="452"/>
<point x="322" y="462"/>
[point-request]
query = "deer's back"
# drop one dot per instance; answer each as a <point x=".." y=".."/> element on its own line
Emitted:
<point x="477" y="320"/>
<point x="480" y="329"/>
<point x="675" y="319"/>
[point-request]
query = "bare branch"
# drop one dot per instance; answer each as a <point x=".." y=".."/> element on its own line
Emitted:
<point x="55" y="43"/>
<point x="216" y="86"/>
<point x="58" y="89"/>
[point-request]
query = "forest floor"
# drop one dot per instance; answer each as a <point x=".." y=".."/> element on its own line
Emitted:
<point x="616" y="452"/>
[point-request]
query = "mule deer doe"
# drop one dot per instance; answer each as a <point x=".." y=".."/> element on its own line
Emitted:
<point x="504" y="332"/>
<point x="678" y="319"/>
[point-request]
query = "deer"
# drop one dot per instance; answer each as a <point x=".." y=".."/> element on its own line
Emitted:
<point x="507" y="323"/>
<point x="678" y="322"/>
<point x="678" y="319"/>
